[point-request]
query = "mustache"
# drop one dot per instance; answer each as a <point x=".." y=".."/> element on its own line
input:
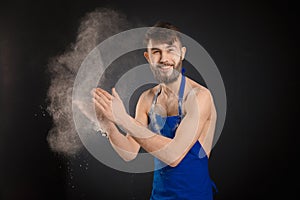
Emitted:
<point x="164" y="65"/>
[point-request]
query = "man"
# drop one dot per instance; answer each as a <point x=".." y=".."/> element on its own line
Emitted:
<point x="174" y="121"/>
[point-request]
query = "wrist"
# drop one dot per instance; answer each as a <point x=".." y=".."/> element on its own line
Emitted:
<point x="125" y="122"/>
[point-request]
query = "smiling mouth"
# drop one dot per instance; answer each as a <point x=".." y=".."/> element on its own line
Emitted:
<point x="165" y="68"/>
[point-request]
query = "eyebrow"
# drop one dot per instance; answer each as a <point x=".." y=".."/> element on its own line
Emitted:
<point x="171" y="46"/>
<point x="154" y="48"/>
<point x="168" y="47"/>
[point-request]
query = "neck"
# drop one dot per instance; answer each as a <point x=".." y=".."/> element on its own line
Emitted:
<point x="172" y="87"/>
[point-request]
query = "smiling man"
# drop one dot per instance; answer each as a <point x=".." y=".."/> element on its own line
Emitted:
<point x="174" y="121"/>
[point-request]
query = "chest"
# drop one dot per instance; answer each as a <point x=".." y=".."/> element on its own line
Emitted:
<point x="167" y="106"/>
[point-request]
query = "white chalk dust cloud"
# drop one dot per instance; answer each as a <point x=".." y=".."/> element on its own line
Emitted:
<point x="94" y="28"/>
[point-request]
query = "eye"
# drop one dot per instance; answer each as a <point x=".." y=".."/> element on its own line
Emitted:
<point x="155" y="52"/>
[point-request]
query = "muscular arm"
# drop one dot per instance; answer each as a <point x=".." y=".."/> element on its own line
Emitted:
<point x="172" y="151"/>
<point x="126" y="146"/>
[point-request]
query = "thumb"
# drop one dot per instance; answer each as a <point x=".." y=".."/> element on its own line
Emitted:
<point x="115" y="94"/>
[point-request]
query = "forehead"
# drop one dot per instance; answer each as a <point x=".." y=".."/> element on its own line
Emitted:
<point x="163" y="45"/>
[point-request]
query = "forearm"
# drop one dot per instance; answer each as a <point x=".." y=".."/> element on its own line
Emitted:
<point x="159" y="146"/>
<point x="125" y="146"/>
<point x="166" y="149"/>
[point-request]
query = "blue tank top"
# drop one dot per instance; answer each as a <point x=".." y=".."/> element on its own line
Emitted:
<point x="190" y="179"/>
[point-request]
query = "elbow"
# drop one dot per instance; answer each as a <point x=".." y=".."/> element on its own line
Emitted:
<point x="175" y="163"/>
<point x="130" y="157"/>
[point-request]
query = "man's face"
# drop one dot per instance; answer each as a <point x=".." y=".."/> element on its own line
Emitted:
<point x="165" y="60"/>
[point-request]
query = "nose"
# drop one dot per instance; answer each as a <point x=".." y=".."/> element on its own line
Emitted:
<point x="164" y="57"/>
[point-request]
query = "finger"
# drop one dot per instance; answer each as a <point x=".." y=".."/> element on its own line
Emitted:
<point x="109" y="96"/>
<point x="115" y="94"/>
<point x="102" y="109"/>
<point x="101" y="101"/>
<point x="100" y="95"/>
<point x="104" y="113"/>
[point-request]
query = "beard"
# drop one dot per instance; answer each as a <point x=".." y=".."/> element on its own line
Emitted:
<point x="162" y="77"/>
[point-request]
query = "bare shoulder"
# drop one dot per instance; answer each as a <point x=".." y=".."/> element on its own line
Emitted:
<point x="197" y="95"/>
<point x="197" y="89"/>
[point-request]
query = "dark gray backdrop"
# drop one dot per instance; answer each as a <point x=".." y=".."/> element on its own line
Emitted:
<point x="252" y="43"/>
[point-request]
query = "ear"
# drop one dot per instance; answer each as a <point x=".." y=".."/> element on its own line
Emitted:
<point x="146" y="55"/>
<point x="183" y="51"/>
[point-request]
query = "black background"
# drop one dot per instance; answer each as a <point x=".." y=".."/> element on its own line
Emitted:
<point x="252" y="43"/>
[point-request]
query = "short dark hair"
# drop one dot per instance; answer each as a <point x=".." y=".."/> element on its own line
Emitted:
<point x="163" y="32"/>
